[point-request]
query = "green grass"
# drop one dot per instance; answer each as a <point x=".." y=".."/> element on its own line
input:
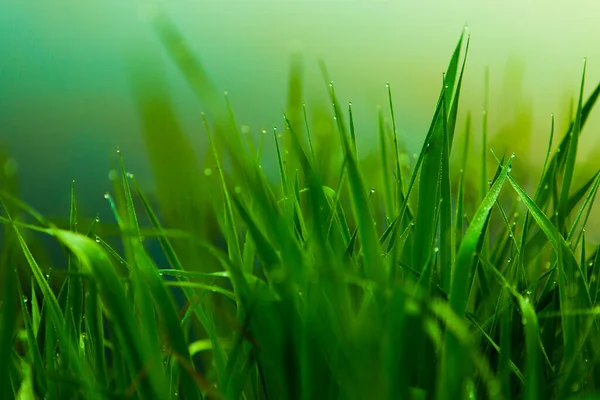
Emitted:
<point x="419" y="286"/>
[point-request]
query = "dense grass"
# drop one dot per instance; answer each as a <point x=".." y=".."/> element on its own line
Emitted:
<point x="316" y="286"/>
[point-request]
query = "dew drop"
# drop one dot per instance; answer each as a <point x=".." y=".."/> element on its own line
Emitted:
<point x="208" y="172"/>
<point x="372" y="190"/>
<point x="25" y="299"/>
<point x="107" y="196"/>
<point x="238" y="189"/>
<point x="436" y="249"/>
<point x="97" y="239"/>
<point x="97" y="219"/>
<point x="130" y="175"/>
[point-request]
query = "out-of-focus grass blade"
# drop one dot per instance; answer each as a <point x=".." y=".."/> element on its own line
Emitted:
<point x="8" y="314"/>
<point x="557" y="161"/>
<point x="571" y="155"/>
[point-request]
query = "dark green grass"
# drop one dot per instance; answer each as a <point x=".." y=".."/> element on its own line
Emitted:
<point x="324" y="287"/>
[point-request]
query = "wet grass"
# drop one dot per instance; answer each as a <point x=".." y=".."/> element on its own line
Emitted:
<point x="317" y="285"/>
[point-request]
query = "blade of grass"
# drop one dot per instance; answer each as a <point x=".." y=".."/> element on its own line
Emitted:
<point x="454" y="372"/>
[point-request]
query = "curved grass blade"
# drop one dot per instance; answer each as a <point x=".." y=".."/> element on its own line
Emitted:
<point x="572" y="290"/>
<point x="454" y="371"/>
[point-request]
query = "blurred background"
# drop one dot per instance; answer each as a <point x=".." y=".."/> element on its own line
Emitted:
<point x="66" y="98"/>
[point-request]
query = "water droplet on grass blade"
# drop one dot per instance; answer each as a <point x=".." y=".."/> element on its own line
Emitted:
<point x="129" y="175"/>
<point x="208" y="172"/>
